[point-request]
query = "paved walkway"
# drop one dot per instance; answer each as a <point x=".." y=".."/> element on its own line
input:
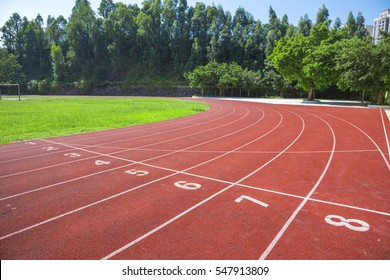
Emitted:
<point x="322" y="102"/>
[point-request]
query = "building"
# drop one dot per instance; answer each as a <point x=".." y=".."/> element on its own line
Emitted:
<point x="370" y="29"/>
<point x="381" y="23"/>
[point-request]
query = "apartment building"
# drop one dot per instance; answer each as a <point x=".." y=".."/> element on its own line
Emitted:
<point x="381" y="23"/>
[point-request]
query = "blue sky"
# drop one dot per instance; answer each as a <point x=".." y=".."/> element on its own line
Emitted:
<point x="258" y="8"/>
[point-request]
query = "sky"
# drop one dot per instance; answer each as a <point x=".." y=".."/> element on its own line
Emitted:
<point x="258" y="8"/>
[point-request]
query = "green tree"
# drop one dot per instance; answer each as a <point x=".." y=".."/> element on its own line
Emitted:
<point x="322" y="15"/>
<point x="273" y="31"/>
<point x="10" y="70"/>
<point x="106" y="8"/>
<point x="361" y="30"/>
<point x="351" y="25"/>
<point x="364" y="66"/>
<point x="11" y="37"/>
<point x="304" y="25"/>
<point x="337" y="23"/>
<point x="80" y="28"/>
<point x="308" y="60"/>
<point x="58" y="63"/>
<point x="383" y="53"/>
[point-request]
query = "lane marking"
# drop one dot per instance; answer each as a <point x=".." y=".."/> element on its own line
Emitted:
<point x="375" y="144"/>
<point x="348" y="223"/>
<point x="299" y="208"/>
<point x="241" y="198"/>
<point x="187" y="185"/>
<point x="138" y="137"/>
<point x="123" y="159"/>
<point x="138" y="173"/>
<point x="102" y="162"/>
<point x="385" y="132"/>
<point x="128" y="245"/>
<point x="315" y="200"/>
<point x="108" y="198"/>
<point x="125" y="128"/>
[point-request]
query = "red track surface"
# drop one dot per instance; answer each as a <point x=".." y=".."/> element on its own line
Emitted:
<point x="240" y="181"/>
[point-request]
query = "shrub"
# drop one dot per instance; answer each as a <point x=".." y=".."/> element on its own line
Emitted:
<point x="84" y="87"/>
<point x="44" y="87"/>
<point x="32" y="86"/>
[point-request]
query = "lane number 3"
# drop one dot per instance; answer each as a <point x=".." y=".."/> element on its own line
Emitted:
<point x="352" y="224"/>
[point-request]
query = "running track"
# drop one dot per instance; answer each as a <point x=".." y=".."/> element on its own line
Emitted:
<point x="240" y="181"/>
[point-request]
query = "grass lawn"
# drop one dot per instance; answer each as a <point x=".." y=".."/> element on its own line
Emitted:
<point x="43" y="117"/>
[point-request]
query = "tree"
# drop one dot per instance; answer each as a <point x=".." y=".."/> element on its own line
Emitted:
<point x="322" y="15"/>
<point x="274" y="33"/>
<point x="337" y="23"/>
<point x="55" y="30"/>
<point x="106" y="8"/>
<point x="11" y="37"/>
<point x="307" y="60"/>
<point x="304" y="25"/>
<point x="384" y="66"/>
<point x="351" y="25"/>
<point x="58" y="63"/>
<point x="80" y="28"/>
<point x="121" y="34"/>
<point x="10" y="70"/>
<point x="361" y="30"/>
<point x="357" y="63"/>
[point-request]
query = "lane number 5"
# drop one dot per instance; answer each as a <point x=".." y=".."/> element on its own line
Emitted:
<point x="136" y="172"/>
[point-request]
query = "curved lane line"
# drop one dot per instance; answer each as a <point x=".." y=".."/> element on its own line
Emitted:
<point x="100" y="201"/>
<point x="128" y="245"/>
<point x="306" y="199"/>
<point x="111" y="142"/>
<point x="132" y="162"/>
<point x="385" y="132"/>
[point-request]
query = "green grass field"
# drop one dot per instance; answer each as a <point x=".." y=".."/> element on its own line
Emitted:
<point x="43" y="117"/>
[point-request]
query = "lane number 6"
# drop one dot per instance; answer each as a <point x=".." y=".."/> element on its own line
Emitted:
<point x="187" y="186"/>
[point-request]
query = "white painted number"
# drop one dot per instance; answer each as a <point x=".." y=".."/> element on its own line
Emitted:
<point x="339" y="221"/>
<point x="136" y="172"/>
<point x="49" y="148"/>
<point x="72" y="155"/>
<point x="251" y="199"/>
<point x="187" y="186"/>
<point x="101" y="162"/>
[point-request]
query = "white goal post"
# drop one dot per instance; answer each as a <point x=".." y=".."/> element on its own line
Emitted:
<point x="10" y="85"/>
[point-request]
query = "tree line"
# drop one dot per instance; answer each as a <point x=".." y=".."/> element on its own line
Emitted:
<point x="160" y="42"/>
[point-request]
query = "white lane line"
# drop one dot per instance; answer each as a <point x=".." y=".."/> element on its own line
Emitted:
<point x="314" y="199"/>
<point x="92" y="204"/>
<point x="205" y="114"/>
<point x="128" y="245"/>
<point x="111" y="142"/>
<point x="123" y="159"/>
<point x="385" y="132"/>
<point x="259" y="151"/>
<point x="121" y="151"/>
<point x="375" y="144"/>
<point x="299" y="208"/>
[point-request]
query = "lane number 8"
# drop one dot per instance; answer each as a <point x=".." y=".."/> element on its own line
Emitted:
<point x="352" y="224"/>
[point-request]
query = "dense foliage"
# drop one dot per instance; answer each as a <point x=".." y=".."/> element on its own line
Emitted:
<point x="168" y="42"/>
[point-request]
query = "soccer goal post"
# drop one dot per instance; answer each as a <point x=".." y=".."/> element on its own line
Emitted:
<point x="3" y="88"/>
